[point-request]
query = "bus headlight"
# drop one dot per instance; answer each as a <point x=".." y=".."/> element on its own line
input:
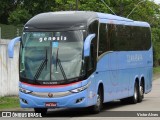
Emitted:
<point x="77" y="90"/>
<point x="24" y="90"/>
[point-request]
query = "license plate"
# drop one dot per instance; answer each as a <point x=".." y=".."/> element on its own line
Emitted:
<point x="51" y="104"/>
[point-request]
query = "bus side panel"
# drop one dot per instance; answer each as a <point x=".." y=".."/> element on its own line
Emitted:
<point x="115" y="84"/>
<point x="119" y="70"/>
<point x="137" y="64"/>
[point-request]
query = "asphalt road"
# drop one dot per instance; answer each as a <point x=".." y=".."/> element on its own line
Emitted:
<point x="150" y="103"/>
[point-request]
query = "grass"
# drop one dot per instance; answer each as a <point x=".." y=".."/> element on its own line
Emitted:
<point x="156" y="70"/>
<point x="9" y="102"/>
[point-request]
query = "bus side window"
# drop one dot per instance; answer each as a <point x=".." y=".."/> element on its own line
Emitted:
<point x="93" y="29"/>
<point x="104" y="40"/>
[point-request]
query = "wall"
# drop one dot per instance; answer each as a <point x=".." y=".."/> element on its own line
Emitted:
<point x="8" y="70"/>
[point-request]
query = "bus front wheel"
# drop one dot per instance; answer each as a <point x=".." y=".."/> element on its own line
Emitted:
<point x="98" y="106"/>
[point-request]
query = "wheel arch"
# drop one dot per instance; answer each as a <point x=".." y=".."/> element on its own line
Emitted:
<point x="100" y="85"/>
<point x="136" y="79"/>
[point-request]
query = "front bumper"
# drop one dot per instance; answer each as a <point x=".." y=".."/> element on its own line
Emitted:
<point x="69" y="101"/>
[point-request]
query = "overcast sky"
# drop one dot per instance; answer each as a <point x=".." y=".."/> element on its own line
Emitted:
<point x="157" y="1"/>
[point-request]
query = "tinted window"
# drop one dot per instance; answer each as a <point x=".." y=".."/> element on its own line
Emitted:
<point x="104" y="43"/>
<point x="140" y="38"/>
<point x="123" y="38"/>
<point x="93" y="29"/>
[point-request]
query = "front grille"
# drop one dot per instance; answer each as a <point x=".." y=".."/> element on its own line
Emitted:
<point x="51" y="94"/>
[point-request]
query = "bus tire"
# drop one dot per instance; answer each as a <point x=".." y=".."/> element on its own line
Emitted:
<point x="141" y="93"/>
<point x="98" y="107"/>
<point x="134" y="98"/>
<point x="43" y="111"/>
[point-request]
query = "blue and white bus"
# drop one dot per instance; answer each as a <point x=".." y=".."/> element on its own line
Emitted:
<point x="76" y="59"/>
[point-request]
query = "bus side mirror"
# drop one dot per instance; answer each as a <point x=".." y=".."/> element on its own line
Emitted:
<point x="11" y="46"/>
<point x="87" y="44"/>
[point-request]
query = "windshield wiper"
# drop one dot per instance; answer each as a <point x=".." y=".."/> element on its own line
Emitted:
<point x="58" y="61"/>
<point x="42" y="65"/>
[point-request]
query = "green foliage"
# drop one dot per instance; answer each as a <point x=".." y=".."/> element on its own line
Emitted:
<point x="10" y="31"/>
<point x="156" y="45"/>
<point x="94" y="5"/>
<point x="38" y="6"/>
<point x="19" y="16"/>
<point x="156" y="70"/>
<point x="147" y="11"/>
<point x="6" y="6"/>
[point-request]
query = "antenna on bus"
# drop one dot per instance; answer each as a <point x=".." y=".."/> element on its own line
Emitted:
<point x="108" y="7"/>
<point x="135" y="8"/>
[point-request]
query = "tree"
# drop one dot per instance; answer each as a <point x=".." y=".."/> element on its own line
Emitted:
<point x="37" y="6"/>
<point x="19" y="16"/>
<point x="6" y="6"/>
<point x="147" y="11"/>
<point x="156" y="45"/>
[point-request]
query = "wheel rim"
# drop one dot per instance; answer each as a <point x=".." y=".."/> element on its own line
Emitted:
<point x="98" y="101"/>
<point x="141" y="90"/>
<point x="135" y="93"/>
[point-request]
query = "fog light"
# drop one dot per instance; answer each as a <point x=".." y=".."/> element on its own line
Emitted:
<point x="79" y="100"/>
<point x="25" y="101"/>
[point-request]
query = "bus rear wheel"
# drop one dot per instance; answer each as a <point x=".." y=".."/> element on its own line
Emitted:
<point x="141" y="93"/>
<point x="134" y="98"/>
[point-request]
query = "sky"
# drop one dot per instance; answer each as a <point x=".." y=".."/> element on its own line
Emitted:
<point x="157" y="1"/>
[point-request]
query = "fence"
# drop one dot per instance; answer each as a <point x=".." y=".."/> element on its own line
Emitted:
<point x="10" y="31"/>
<point x="8" y="70"/>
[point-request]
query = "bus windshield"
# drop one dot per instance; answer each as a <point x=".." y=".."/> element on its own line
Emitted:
<point x="51" y="56"/>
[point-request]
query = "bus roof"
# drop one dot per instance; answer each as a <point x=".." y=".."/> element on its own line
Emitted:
<point x="72" y="19"/>
<point x="112" y="17"/>
<point x="126" y="21"/>
<point x="61" y="20"/>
